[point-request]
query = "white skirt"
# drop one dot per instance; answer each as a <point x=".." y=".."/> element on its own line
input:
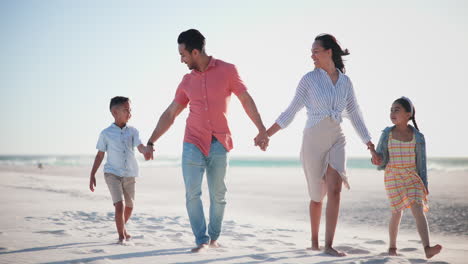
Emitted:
<point x="323" y="145"/>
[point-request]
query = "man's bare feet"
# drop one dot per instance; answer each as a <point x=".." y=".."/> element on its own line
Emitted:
<point x="121" y="240"/>
<point x="199" y="248"/>
<point x="333" y="252"/>
<point x="214" y="244"/>
<point x="392" y="252"/>
<point x="432" y="251"/>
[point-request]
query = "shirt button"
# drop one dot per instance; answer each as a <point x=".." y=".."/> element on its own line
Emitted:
<point x="206" y="109"/>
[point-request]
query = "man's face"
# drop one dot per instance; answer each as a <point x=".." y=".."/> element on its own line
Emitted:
<point x="186" y="57"/>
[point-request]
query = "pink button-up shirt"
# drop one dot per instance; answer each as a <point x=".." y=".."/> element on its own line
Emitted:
<point x="208" y="94"/>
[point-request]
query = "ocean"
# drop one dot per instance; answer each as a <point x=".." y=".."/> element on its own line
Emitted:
<point x="440" y="164"/>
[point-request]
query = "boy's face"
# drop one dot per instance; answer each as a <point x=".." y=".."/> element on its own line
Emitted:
<point x="122" y="113"/>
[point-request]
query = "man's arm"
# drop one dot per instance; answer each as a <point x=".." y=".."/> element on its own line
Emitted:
<point x="165" y="122"/>
<point x="250" y="108"/>
<point x="97" y="163"/>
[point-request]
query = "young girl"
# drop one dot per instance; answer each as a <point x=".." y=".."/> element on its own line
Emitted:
<point x="402" y="153"/>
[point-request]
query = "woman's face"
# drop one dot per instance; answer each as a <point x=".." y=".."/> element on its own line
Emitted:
<point x="398" y="114"/>
<point x="320" y="56"/>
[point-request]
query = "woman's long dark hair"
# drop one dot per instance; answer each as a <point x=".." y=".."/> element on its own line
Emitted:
<point x="407" y="106"/>
<point x="328" y="41"/>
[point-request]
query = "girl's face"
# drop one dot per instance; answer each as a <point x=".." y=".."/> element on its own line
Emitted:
<point x="398" y="114"/>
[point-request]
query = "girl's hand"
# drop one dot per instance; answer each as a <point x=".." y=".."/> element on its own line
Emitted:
<point x="376" y="159"/>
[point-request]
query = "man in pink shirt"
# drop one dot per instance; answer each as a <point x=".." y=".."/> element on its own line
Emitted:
<point x="207" y="90"/>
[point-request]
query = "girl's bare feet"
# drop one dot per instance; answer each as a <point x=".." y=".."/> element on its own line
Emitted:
<point x="432" y="251"/>
<point x="315" y="246"/>
<point x="333" y="252"/>
<point x="200" y="248"/>
<point x="392" y="252"/>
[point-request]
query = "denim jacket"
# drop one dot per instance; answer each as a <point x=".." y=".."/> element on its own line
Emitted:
<point x="382" y="150"/>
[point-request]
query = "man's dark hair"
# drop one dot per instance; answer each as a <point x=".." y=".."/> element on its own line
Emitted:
<point x="118" y="100"/>
<point x="192" y="39"/>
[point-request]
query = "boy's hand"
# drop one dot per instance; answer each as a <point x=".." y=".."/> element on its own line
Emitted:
<point x="92" y="182"/>
<point x="148" y="152"/>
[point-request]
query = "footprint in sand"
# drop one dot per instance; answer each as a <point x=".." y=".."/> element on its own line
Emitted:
<point x="54" y="232"/>
<point x="408" y="249"/>
<point x="415" y="261"/>
<point x="260" y="256"/>
<point x="375" y="242"/>
<point x="352" y="250"/>
<point x="258" y="249"/>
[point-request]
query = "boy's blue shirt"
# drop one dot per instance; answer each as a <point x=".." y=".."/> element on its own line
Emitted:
<point x="382" y="150"/>
<point x="119" y="143"/>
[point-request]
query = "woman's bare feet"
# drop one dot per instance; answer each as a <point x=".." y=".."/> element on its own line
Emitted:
<point x="214" y="244"/>
<point x="128" y="237"/>
<point x="200" y="248"/>
<point x="315" y="246"/>
<point x="392" y="252"/>
<point x="333" y="252"/>
<point x="432" y="251"/>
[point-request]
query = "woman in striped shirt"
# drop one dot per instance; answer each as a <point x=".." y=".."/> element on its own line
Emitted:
<point x="328" y="95"/>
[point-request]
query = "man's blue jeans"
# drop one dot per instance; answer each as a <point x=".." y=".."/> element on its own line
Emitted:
<point x="194" y="164"/>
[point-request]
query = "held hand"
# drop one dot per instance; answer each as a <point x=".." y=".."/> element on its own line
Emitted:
<point x="262" y="140"/>
<point x="92" y="182"/>
<point x="148" y="152"/>
<point x="376" y="159"/>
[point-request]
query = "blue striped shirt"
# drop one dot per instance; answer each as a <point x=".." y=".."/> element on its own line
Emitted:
<point x="322" y="99"/>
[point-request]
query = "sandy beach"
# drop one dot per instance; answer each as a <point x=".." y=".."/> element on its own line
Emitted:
<point x="50" y="216"/>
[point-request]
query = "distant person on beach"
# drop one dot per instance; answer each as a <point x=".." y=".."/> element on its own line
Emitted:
<point x="402" y="154"/>
<point x="121" y="168"/>
<point x="328" y="95"/>
<point x="207" y="91"/>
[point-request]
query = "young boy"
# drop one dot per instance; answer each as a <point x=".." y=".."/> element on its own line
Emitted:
<point x="121" y="168"/>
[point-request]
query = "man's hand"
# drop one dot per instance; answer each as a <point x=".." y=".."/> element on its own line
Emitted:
<point x="149" y="152"/>
<point x="262" y="140"/>
<point x="92" y="182"/>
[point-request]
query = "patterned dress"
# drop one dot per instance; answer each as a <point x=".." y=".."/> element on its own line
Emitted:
<point x="403" y="185"/>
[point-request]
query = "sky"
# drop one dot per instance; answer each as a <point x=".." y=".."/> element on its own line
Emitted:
<point x="62" y="61"/>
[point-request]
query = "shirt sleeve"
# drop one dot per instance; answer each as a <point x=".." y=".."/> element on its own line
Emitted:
<point x="181" y="96"/>
<point x="295" y="106"/>
<point x="353" y="112"/>
<point x="101" y="144"/>
<point x="136" y="138"/>
<point x="236" y="86"/>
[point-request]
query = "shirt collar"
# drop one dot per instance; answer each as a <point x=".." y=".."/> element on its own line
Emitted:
<point x="211" y="64"/>
<point x="113" y="125"/>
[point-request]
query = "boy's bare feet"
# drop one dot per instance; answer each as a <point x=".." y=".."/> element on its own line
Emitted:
<point x="214" y="244"/>
<point x="333" y="252"/>
<point x="201" y="247"/>
<point x="432" y="251"/>
<point x="392" y="252"/>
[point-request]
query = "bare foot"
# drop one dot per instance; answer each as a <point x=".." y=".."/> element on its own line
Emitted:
<point x="199" y="248"/>
<point x="214" y="244"/>
<point x="432" y="251"/>
<point x="333" y="252"/>
<point x="128" y="237"/>
<point x="392" y="252"/>
<point x="315" y="246"/>
<point x="121" y="240"/>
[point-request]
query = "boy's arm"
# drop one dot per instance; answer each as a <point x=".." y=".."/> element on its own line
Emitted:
<point x="142" y="149"/>
<point x="97" y="163"/>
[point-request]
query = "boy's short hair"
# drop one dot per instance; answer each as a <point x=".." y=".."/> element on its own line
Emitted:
<point x="118" y="100"/>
